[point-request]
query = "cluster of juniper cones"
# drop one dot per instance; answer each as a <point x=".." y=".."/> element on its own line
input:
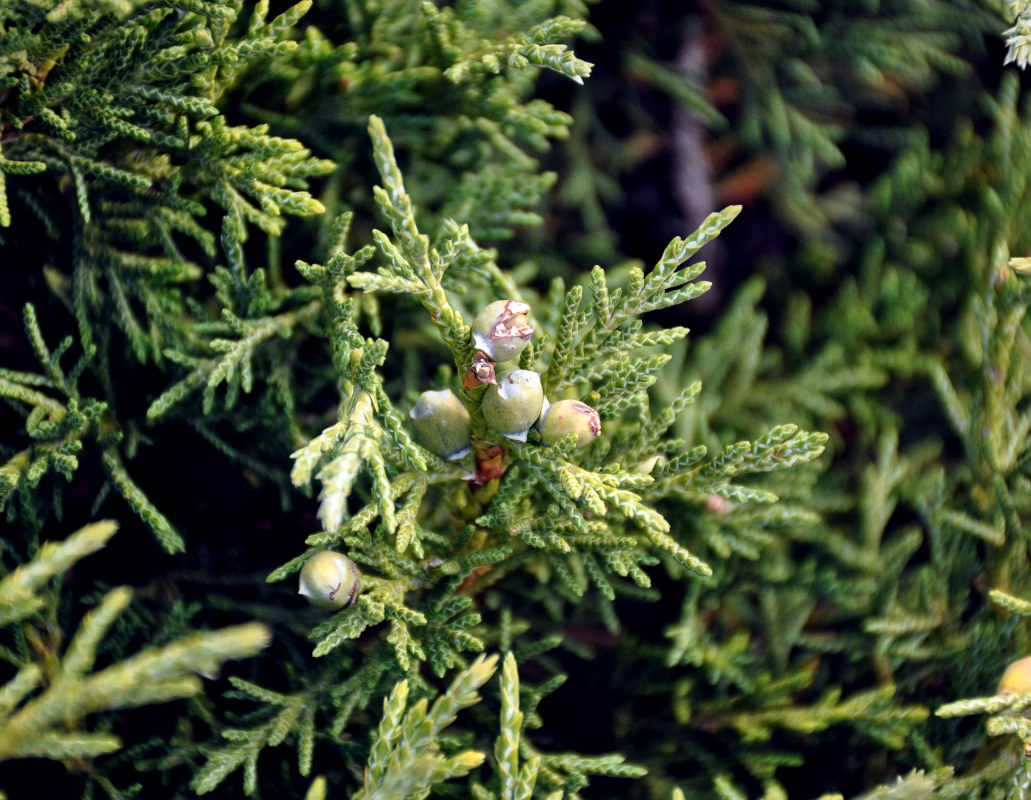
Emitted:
<point x="512" y="404"/>
<point x="514" y="401"/>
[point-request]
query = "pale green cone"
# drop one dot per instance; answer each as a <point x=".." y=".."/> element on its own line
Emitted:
<point x="569" y="416"/>
<point x="330" y="580"/>
<point x="502" y="329"/>
<point x="1016" y="678"/>
<point x="514" y="403"/>
<point x="442" y="424"/>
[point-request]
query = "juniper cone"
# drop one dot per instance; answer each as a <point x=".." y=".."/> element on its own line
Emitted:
<point x="442" y="423"/>
<point x="329" y="580"/>
<point x="502" y="329"/>
<point x="513" y="404"/>
<point x="1016" y="678"/>
<point x="566" y="417"/>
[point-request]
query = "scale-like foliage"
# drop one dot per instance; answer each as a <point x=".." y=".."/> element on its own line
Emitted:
<point x="42" y="701"/>
<point x="161" y="165"/>
<point x="624" y="527"/>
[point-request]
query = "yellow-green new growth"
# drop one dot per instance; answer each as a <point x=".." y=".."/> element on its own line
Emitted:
<point x="18" y="591"/>
<point x="515" y="783"/>
<point x="412" y="260"/>
<point x="39" y="726"/>
<point x="405" y="760"/>
<point x="1018" y="36"/>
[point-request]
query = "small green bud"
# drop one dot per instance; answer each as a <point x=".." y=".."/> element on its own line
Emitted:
<point x="514" y="403"/>
<point x="569" y="416"/>
<point x="330" y="580"/>
<point x="442" y="423"/>
<point x="464" y="763"/>
<point x="502" y="330"/>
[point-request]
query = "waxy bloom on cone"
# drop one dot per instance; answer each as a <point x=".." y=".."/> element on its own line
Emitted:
<point x="514" y="403"/>
<point x="442" y="423"/>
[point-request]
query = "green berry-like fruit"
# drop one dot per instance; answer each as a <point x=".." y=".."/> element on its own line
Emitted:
<point x="502" y="329"/>
<point x="330" y="580"/>
<point x="514" y="403"/>
<point x="442" y="423"/>
<point x="569" y="416"/>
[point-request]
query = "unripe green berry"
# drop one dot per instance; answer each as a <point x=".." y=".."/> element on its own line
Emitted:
<point x="442" y="424"/>
<point x="514" y="403"/>
<point x="502" y="330"/>
<point x="330" y="580"/>
<point x="569" y="416"/>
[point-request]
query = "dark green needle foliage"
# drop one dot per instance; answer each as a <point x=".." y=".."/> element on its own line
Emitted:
<point x="238" y="242"/>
